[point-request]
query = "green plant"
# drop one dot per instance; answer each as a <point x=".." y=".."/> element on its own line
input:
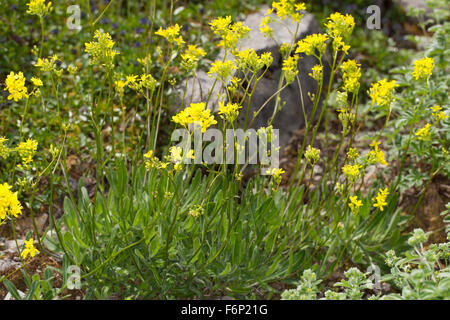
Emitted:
<point x="421" y="274"/>
<point x="145" y="223"/>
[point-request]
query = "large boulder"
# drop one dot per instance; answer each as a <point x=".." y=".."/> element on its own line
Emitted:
<point x="290" y="117"/>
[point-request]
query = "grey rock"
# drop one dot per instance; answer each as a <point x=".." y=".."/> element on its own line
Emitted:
<point x="8" y="265"/>
<point x="10" y="297"/>
<point x="290" y="117"/>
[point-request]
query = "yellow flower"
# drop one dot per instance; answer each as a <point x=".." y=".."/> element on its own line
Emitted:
<point x="352" y="153"/>
<point x="30" y="249"/>
<point x="355" y="204"/>
<point x="352" y="172"/>
<point x="27" y="151"/>
<point x="191" y="56"/>
<point x="39" y="7"/>
<point x="149" y="154"/>
<point x="101" y="51"/>
<point x="317" y="73"/>
<point x="177" y="158"/>
<point x="72" y="69"/>
<point x="229" y="111"/>
<point x="339" y="25"/>
<point x="9" y="204"/>
<point x="175" y="154"/>
<point x="423" y="68"/>
<point x="276" y="174"/>
<point x="437" y="114"/>
<point x="172" y="34"/>
<point x="351" y="75"/>
<point x="311" y="43"/>
<point x="376" y="155"/>
<point x="340" y="45"/>
<point x="249" y="59"/>
<point x="153" y="162"/>
<point x="290" y="68"/>
<point x="380" y="199"/>
<point x="195" y="114"/>
<point x="4" y="150"/>
<point x="424" y="133"/>
<point x="15" y="85"/>
<point x="120" y="86"/>
<point x="264" y="27"/>
<point x="220" y="25"/>
<point x="46" y="64"/>
<point x="222" y="69"/>
<point x="230" y="33"/>
<point x="382" y="92"/>
<point x="288" y="8"/>
<point x="37" y="82"/>
<point x="312" y="155"/>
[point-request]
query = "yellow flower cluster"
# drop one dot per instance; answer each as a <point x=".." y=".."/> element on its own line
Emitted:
<point x="195" y="114"/>
<point x="340" y="45"/>
<point x="145" y="81"/>
<point x="177" y="158"/>
<point x="376" y="155"/>
<point x="172" y="34"/>
<point x="39" y="7"/>
<point x="101" y="51"/>
<point x="249" y="59"/>
<point x="72" y="69"/>
<point x="382" y="92"/>
<point x="37" y="82"/>
<point x="380" y="199"/>
<point x="345" y="114"/>
<point x="264" y="26"/>
<point x="196" y="211"/>
<point x="355" y="204"/>
<point x="317" y="73"/>
<point x="229" y="111"/>
<point x="312" y="155"/>
<point x="191" y="57"/>
<point x="352" y="154"/>
<point x="423" y="68"/>
<point x="47" y="64"/>
<point x="30" y="249"/>
<point x="340" y="26"/>
<point x="15" y="85"/>
<point x="220" y="25"/>
<point x="26" y="151"/>
<point x="153" y="162"/>
<point x="288" y="8"/>
<point x="311" y="43"/>
<point x="290" y="68"/>
<point x="351" y="75"/>
<point x="276" y="173"/>
<point x="352" y="172"/>
<point x="438" y="114"/>
<point x="4" y="150"/>
<point x="222" y="69"/>
<point x="424" y="133"/>
<point x="9" y="204"/>
<point x="230" y="33"/>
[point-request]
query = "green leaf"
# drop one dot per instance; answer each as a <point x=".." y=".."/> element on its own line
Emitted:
<point x="12" y="289"/>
